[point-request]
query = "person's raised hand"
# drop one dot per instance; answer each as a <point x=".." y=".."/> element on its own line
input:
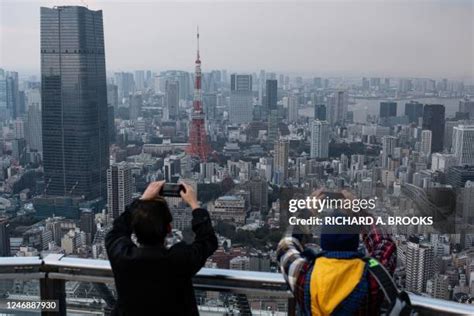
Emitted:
<point x="189" y="196"/>
<point x="153" y="190"/>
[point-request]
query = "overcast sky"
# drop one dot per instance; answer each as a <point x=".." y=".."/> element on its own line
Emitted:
<point x="381" y="38"/>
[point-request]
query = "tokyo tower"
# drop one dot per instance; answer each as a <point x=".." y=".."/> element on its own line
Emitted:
<point x="198" y="144"/>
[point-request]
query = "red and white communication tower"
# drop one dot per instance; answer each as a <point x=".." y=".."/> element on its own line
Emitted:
<point x="198" y="144"/>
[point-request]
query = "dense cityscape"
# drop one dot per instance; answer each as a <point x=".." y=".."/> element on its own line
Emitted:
<point x="79" y="143"/>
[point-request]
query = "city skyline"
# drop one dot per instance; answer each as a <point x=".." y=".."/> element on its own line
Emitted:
<point x="362" y="38"/>
<point x="81" y="141"/>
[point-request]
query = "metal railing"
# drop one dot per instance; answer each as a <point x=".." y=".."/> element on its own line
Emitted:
<point x="55" y="269"/>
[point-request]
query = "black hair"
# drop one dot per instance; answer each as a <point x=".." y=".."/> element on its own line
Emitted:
<point x="150" y="220"/>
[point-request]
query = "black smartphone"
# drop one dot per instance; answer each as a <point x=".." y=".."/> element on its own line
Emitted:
<point x="334" y="195"/>
<point x="172" y="189"/>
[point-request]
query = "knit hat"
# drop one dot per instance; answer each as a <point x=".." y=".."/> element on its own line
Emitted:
<point x="339" y="237"/>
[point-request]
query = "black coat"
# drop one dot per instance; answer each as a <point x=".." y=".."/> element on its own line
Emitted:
<point x="157" y="280"/>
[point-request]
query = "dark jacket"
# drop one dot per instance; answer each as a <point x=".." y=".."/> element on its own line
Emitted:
<point x="157" y="280"/>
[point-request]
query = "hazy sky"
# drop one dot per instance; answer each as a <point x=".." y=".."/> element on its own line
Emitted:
<point x="385" y="38"/>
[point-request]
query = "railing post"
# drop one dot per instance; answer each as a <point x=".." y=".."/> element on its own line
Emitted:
<point x="291" y="307"/>
<point x="53" y="290"/>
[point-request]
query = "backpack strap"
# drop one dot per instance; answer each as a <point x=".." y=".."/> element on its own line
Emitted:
<point x="383" y="278"/>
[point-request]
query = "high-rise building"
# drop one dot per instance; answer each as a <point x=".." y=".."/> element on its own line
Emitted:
<point x="448" y="132"/>
<point x="87" y="224"/>
<point x="210" y="106"/>
<point x="426" y="139"/>
<point x="172" y="99"/>
<point x="292" y="106"/>
<point x="442" y="162"/>
<point x="366" y="188"/>
<point x="135" y="106"/>
<point x="12" y="95"/>
<point x="182" y="77"/>
<point x="282" y="147"/>
<point x="463" y="144"/>
<point x="440" y="287"/>
<point x="433" y="119"/>
<point x="19" y="150"/>
<point x="241" y="99"/>
<point x="457" y="176"/>
<point x="388" y="147"/>
<point x="388" y="109"/>
<point x="4" y="238"/>
<point x="74" y="102"/>
<point x="125" y="85"/>
<point x="336" y="110"/>
<point x="319" y="139"/>
<point x="320" y="112"/>
<point x="119" y="188"/>
<point x="33" y="133"/>
<point x="139" y="79"/>
<point x="273" y="123"/>
<point x="467" y="106"/>
<point x="365" y="84"/>
<point x="258" y="188"/>
<point x="467" y="197"/>
<point x="419" y="266"/>
<point x="112" y="95"/>
<point x="271" y="94"/>
<point x="3" y="95"/>
<point x="413" y="110"/>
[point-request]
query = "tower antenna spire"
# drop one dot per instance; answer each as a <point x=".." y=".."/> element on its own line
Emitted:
<point x="198" y="143"/>
<point x="197" y="41"/>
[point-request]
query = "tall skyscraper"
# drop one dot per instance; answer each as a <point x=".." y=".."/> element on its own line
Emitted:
<point x="135" y="106"/>
<point x="4" y="238"/>
<point x="139" y="79"/>
<point x="413" y="110"/>
<point x="210" y="106"/>
<point x="172" y="99"/>
<point x="282" y="148"/>
<point x="433" y="119"/>
<point x="12" y="94"/>
<point x="320" y="112"/>
<point x="3" y="95"/>
<point x="33" y="133"/>
<point x="119" y="188"/>
<point x="271" y="94"/>
<point x="112" y="95"/>
<point x="258" y="188"/>
<point x="74" y="102"/>
<point x="388" y="148"/>
<point x="87" y="224"/>
<point x="419" y="266"/>
<point x="125" y="85"/>
<point x="337" y="107"/>
<point x="182" y="77"/>
<point x="463" y="144"/>
<point x="426" y="140"/>
<point x="319" y="139"/>
<point x="467" y="106"/>
<point x="241" y="99"/>
<point x="388" y="109"/>
<point x="292" y="107"/>
<point x="272" y="128"/>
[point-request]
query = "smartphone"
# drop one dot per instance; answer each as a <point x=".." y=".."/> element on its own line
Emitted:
<point x="172" y="189"/>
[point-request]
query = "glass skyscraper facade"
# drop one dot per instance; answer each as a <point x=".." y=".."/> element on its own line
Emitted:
<point x="74" y="102"/>
<point x="434" y="120"/>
